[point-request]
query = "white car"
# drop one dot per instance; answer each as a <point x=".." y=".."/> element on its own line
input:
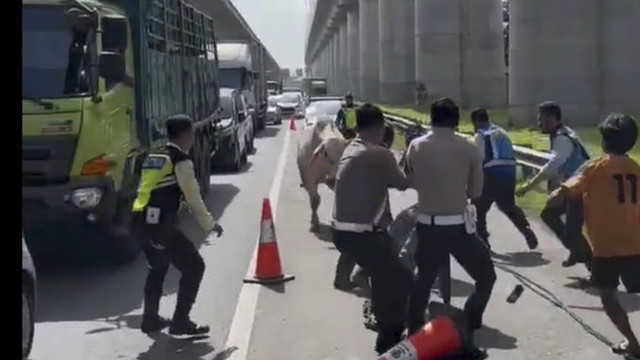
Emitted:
<point x="323" y="110"/>
<point x="274" y="115"/>
<point x="28" y="300"/>
<point x="291" y="104"/>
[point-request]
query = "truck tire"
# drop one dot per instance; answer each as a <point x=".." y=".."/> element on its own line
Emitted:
<point x="124" y="247"/>
<point x="28" y="317"/>
<point x="205" y="167"/>
<point x="237" y="158"/>
<point x="250" y="145"/>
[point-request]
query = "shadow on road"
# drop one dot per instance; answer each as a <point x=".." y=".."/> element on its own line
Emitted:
<point x="488" y="337"/>
<point x="270" y="131"/>
<point x="75" y="292"/>
<point x="169" y="347"/>
<point x="521" y="259"/>
<point x="630" y="302"/>
<point x="324" y="233"/>
<point x="220" y="169"/>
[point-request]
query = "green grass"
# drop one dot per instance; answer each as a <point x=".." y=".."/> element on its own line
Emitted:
<point x="532" y="138"/>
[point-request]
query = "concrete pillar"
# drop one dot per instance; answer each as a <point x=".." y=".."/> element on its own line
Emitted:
<point x="484" y="80"/>
<point x="331" y="64"/>
<point x="460" y="51"/>
<point x="397" y="55"/>
<point x="620" y="56"/>
<point x="336" y="63"/>
<point x="553" y="55"/>
<point x="353" y="30"/>
<point x="369" y="52"/>
<point x="344" y="57"/>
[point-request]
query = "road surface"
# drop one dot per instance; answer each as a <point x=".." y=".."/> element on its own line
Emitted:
<point x="94" y="313"/>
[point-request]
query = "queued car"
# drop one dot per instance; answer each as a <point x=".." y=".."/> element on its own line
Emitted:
<point x="28" y="300"/>
<point x="321" y="111"/>
<point x="325" y="98"/>
<point x="235" y="130"/>
<point x="291" y="104"/>
<point x="274" y="114"/>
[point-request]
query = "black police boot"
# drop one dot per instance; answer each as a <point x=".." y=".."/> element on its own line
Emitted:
<point x="182" y="325"/>
<point x="151" y="321"/>
<point x="531" y="238"/>
<point x="187" y="327"/>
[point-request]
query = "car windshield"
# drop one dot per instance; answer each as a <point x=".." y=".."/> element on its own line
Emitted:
<point x="289" y="98"/>
<point x="54" y="56"/>
<point x="324" y="107"/>
<point x="226" y="107"/>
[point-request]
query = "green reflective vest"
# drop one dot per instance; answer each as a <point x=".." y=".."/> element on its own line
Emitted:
<point x="350" y="118"/>
<point x="158" y="184"/>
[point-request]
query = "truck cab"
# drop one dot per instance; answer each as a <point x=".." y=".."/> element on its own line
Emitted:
<point x="95" y="93"/>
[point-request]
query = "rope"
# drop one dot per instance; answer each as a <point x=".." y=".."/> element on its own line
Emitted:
<point x="553" y="299"/>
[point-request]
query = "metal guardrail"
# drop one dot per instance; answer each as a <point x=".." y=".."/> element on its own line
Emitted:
<point x="527" y="158"/>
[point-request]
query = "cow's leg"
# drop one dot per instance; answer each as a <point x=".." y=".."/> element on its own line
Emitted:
<point x="315" y="203"/>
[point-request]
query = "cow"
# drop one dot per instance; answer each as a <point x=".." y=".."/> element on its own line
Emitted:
<point x="319" y="150"/>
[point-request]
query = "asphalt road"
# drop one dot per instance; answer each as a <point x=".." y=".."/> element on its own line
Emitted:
<point x="94" y="313"/>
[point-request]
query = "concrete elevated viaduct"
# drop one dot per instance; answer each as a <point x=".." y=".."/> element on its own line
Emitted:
<point x="230" y="25"/>
<point x="585" y="54"/>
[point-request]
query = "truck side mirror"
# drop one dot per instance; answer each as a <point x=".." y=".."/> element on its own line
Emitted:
<point x="114" y="34"/>
<point x="112" y="66"/>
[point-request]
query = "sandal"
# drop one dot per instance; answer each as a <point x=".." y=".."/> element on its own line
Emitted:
<point x="620" y="348"/>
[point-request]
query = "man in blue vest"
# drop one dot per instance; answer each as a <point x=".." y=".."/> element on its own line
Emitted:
<point x="568" y="156"/>
<point x="499" y="165"/>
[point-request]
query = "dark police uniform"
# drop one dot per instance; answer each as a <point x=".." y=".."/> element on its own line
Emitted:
<point x="167" y="176"/>
<point x="364" y="174"/>
<point x="499" y="165"/>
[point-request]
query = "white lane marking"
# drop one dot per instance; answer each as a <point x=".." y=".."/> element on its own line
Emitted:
<point x="242" y="323"/>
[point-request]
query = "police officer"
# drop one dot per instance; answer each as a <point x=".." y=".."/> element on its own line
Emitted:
<point x="499" y="165"/>
<point x="167" y="177"/>
<point x="346" y="118"/>
<point x="568" y="156"/>
<point x="365" y="172"/>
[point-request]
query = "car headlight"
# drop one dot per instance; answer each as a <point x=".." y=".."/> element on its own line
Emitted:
<point x="86" y="198"/>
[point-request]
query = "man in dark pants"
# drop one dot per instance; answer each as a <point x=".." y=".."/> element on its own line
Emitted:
<point x="365" y="172"/>
<point x="167" y="176"/>
<point x="446" y="170"/>
<point x="345" y="264"/>
<point x="499" y="163"/>
<point x="569" y="155"/>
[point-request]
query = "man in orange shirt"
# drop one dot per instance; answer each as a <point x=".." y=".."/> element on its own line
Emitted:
<point x="610" y="190"/>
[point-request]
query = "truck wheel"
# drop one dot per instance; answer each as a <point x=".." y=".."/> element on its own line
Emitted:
<point x="250" y="145"/>
<point x="261" y="123"/>
<point x="27" y="320"/>
<point x="237" y="158"/>
<point x="205" y="168"/>
<point x="245" y="156"/>
<point x="124" y="246"/>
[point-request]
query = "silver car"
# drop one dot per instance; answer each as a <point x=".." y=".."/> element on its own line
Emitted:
<point x="28" y="300"/>
<point x="274" y="114"/>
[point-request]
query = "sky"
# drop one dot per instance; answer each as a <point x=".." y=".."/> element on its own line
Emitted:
<point x="281" y="25"/>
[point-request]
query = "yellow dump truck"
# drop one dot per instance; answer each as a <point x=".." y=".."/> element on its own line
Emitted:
<point x="99" y="78"/>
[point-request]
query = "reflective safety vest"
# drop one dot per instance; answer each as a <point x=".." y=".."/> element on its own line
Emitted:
<point x="498" y="150"/>
<point x="578" y="156"/>
<point x="158" y="184"/>
<point x="350" y="118"/>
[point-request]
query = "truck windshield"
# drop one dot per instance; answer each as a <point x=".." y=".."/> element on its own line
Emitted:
<point x="53" y="54"/>
<point x="233" y="78"/>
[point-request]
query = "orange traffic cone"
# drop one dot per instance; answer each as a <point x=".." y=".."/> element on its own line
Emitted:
<point x="439" y="338"/>
<point x="268" y="269"/>
<point x="292" y="124"/>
